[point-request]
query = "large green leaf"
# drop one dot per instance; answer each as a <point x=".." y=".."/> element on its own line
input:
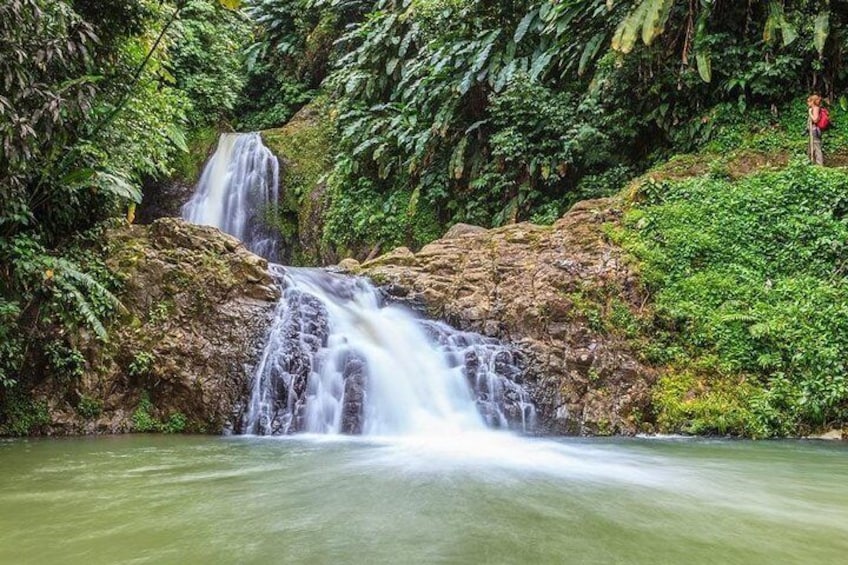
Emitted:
<point x="118" y="185"/>
<point x="590" y="52"/>
<point x="627" y="33"/>
<point x="656" y="16"/>
<point x="790" y="34"/>
<point x="821" y="30"/>
<point x="775" y="21"/>
<point x="524" y="25"/>
<point x="705" y="66"/>
<point x="772" y="22"/>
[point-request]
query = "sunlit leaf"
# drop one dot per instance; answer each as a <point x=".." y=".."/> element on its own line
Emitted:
<point x="821" y="30"/>
<point x="627" y="33"/>
<point x="656" y="16"/>
<point x="705" y="67"/>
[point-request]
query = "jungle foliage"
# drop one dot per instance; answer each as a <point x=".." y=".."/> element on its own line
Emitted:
<point x="750" y="297"/>
<point x="95" y="98"/>
<point x="489" y="113"/>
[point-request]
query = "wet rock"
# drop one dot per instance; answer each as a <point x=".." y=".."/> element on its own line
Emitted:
<point x="458" y="230"/>
<point x="353" y="408"/>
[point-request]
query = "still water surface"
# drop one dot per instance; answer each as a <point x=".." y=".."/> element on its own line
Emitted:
<point x="159" y="499"/>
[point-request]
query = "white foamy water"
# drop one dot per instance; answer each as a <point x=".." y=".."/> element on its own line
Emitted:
<point x="238" y="191"/>
<point x="339" y="360"/>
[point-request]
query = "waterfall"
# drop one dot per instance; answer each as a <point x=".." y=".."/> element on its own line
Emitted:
<point x="339" y="360"/>
<point x="239" y="185"/>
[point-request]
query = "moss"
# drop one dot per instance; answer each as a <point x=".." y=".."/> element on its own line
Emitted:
<point x="379" y="279"/>
<point x="304" y="147"/>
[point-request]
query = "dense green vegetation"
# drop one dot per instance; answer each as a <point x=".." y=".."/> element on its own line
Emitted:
<point x="495" y="112"/>
<point x="750" y="296"/>
<point x="96" y="98"/>
<point x="442" y="111"/>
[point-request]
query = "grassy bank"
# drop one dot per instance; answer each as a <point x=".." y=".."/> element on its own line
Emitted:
<point x="743" y="247"/>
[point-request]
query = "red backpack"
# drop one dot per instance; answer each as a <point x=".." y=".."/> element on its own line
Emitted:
<point x="824" y="119"/>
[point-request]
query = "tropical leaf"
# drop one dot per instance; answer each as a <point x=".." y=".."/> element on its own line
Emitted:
<point x="821" y="30"/>
<point x="590" y="52"/>
<point x="412" y="208"/>
<point x="777" y="21"/>
<point x="524" y="25"/>
<point x="656" y="16"/>
<point x="457" y="162"/>
<point x="540" y="64"/>
<point x="177" y="136"/>
<point x="790" y="34"/>
<point x="391" y="65"/>
<point x="118" y="185"/>
<point x="772" y="22"/>
<point x="705" y="66"/>
<point x="624" y="39"/>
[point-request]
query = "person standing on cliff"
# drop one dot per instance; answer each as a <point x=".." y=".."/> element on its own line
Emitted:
<point x="815" y="116"/>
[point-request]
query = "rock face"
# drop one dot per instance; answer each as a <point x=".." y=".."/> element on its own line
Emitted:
<point x="545" y="289"/>
<point x="180" y="358"/>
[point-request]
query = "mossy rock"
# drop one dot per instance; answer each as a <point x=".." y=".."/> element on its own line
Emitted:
<point x="304" y="147"/>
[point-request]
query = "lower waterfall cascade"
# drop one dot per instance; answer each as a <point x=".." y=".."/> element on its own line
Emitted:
<point x="339" y="360"/>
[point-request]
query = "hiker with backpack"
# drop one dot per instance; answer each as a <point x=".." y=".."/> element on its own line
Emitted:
<point x="818" y="120"/>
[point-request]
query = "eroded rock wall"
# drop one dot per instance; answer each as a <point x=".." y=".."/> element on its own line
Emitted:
<point x="537" y="287"/>
<point x="180" y="357"/>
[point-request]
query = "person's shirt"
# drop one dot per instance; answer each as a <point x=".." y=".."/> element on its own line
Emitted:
<point x="815" y="114"/>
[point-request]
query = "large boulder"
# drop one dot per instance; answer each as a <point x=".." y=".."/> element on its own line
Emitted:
<point x="197" y="307"/>
<point x="548" y="290"/>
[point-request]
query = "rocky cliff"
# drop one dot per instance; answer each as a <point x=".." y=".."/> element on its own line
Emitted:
<point x="548" y="290"/>
<point x="180" y="357"/>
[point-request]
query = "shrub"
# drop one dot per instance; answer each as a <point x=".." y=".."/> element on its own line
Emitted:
<point x="142" y="419"/>
<point x="89" y="408"/>
<point x="141" y="365"/>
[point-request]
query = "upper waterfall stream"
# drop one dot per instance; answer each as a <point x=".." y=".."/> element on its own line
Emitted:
<point x="239" y="186"/>
<point x="338" y="358"/>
